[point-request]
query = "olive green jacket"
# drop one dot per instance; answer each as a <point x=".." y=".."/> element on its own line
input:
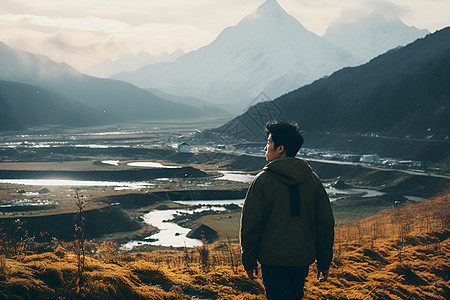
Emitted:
<point x="287" y="219"/>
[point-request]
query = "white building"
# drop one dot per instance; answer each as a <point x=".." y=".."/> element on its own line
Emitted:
<point x="184" y="148"/>
<point x="370" y="158"/>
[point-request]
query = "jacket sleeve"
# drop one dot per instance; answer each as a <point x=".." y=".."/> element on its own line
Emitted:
<point x="252" y="223"/>
<point x="324" y="227"/>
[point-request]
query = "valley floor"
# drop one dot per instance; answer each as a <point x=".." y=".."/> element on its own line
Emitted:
<point x="387" y="246"/>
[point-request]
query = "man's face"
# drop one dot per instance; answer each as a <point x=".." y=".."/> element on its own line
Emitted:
<point x="271" y="152"/>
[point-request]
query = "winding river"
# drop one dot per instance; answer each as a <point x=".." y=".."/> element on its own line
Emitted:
<point x="170" y="233"/>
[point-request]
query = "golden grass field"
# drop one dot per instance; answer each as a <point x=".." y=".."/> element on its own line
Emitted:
<point x="400" y="253"/>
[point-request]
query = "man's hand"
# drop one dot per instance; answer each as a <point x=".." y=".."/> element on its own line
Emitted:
<point x="252" y="273"/>
<point x="322" y="275"/>
<point x="250" y="266"/>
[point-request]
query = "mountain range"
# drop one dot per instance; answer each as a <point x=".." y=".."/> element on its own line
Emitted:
<point x="403" y="94"/>
<point x="268" y="51"/>
<point x="110" y="101"/>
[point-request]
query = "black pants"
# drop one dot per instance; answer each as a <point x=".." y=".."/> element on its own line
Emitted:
<point x="284" y="282"/>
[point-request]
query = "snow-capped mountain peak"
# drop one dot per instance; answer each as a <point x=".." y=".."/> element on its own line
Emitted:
<point x="270" y="9"/>
<point x="268" y="51"/>
<point x="372" y="35"/>
<point x="271" y="15"/>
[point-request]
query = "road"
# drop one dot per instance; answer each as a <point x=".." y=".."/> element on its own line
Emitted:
<point x="411" y="172"/>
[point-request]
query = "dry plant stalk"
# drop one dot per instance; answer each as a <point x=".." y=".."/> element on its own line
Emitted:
<point x="230" y="252"/>
<point x="187" y="258"/>
<point x="2" y="267"/>
<point x="79" y="234"/>
<point x="204" y="254"/>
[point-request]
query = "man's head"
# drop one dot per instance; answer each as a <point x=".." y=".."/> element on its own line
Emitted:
<point x="283" y="139"/>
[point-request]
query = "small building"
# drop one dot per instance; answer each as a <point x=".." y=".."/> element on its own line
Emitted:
<point x="423" y="163"/>
<point x="406" y="163"/>
<point x="370" y="158"/>
<point x="352" y="157"/>
<point x="184" y="148"/>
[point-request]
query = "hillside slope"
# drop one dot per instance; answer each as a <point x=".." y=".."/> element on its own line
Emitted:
<point x="402" y="94"/>
<point x="400" y="253"/>
<point x="8" y="120"/>
<point x="25" y="105"/>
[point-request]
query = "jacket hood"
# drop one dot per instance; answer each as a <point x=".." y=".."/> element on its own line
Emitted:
<point x="289" y="171"/>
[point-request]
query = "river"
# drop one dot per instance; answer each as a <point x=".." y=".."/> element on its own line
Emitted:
<point x="170" y="233"/>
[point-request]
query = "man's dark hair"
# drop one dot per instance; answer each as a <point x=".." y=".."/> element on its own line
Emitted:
<point x="287" y="134"/>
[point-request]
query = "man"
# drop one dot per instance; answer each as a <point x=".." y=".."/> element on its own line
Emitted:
<point x="286" y="221"/>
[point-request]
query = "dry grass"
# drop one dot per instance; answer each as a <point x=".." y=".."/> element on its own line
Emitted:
<point x="156" y="275"/>
<point x="400" y="253"/>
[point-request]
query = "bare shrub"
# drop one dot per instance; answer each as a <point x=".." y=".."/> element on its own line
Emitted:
<point x="110" y="252"/>
<point x="14" y="239"/>
<point x="443" y="216"/>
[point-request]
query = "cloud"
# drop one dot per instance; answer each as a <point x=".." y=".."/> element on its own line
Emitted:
<point x="390" y="10"/>
<point x="317" y="15"/>
<point x="85" y="32"/>
<point x="84" y="41"/>
<point x="76" y="41"/>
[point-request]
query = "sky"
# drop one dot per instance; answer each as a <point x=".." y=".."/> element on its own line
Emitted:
<point x="85" y="32"/>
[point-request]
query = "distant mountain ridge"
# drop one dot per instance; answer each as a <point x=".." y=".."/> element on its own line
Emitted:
<point x="207" y="108"/>
<point x="268" y="51"/>
<point x="404" y="93"/>
<point x="111" y="101"/>
<point x="25" y="105"/>
<point x="371" y="36"/>
<point x="129" y="62"/>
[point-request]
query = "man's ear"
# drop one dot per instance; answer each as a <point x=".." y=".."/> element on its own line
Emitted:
<point x="280" y="149"/>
